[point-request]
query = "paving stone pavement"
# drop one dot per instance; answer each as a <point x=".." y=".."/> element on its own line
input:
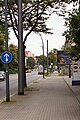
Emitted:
<point x="74" y="88"/>
<point x="46" y="99"/>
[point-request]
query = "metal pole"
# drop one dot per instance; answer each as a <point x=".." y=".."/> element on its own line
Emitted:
<point x="20" y="48"/>
<point x="69" y="70"/>
<point x="47" y="58"/>
<point x="6" y="46"/>
<point x="43" y="53"/>
<point x="43" y="58"/>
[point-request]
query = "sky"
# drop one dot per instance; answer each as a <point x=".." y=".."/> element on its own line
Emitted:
<point x="34" y="42"/>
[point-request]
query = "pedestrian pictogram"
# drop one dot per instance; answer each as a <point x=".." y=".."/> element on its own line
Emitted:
<point x="6" y="57"/>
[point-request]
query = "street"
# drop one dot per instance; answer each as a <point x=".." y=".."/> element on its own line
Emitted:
<point x="13" y="82"/>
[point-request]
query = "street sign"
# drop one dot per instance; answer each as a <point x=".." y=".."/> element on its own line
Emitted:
<point x="6" y="57"/>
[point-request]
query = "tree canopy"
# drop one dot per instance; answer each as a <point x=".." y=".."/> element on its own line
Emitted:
<point x="34" y="14"/>
<point x="72" y="33"/>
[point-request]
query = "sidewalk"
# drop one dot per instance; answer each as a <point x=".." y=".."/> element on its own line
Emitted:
<point x="75" y="89"/>
<point x="47" y="99"/>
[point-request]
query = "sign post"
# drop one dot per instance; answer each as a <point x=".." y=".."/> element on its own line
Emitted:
<point x="6" y="57"/>
<point x="6" y="47"/>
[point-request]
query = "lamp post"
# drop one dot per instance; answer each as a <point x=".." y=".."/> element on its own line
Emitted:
<point x="43" y="53"/>
<point x="20" y="47"/>
<point x="47" y="58"/>
<point x="6" y="45"/>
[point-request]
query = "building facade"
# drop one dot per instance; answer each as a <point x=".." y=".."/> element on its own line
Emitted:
<point x="27" y="55"/>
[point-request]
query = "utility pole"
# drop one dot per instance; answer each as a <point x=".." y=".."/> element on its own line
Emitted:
<point x="20" y="48"/>
<point x="47" y="58"/>
<point x="6" y="46"/>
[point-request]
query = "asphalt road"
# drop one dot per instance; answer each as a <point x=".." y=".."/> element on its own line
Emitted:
<point x="13" y="83"/>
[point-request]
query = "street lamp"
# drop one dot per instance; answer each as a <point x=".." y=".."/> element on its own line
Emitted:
<point x="20" y="47"/>
<point x="47" y="58"/>
<point x="43" y="52"/>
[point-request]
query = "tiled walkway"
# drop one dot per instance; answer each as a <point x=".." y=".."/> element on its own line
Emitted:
<point x="46" y="99"/>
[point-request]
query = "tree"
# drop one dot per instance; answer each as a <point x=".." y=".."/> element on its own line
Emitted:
<point x="41" y="62"/>
<point x="13" y="65"/>
<point x="52" y="57"/>
<point x="34" y="15"/>
<point x="72" y="33"/>
<point x="2" y="45"/>
<point x="31" y="62"/>
<point x="2" y="36"/>
<point x="34" y="18"/>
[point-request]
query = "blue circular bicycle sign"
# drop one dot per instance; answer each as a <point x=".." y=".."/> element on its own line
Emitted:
<point x="6" y="57"/>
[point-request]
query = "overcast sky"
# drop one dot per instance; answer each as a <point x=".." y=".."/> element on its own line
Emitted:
<point x="34" y="41"/>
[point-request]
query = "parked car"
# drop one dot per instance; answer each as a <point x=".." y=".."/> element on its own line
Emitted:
<point x="27" y="70"/>
<point x="2" y="75"/>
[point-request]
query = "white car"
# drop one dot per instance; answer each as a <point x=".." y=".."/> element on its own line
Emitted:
<point x="2" y="75"/>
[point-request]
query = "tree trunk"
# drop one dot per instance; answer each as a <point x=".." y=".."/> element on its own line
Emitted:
<point x="24" y="74"/>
